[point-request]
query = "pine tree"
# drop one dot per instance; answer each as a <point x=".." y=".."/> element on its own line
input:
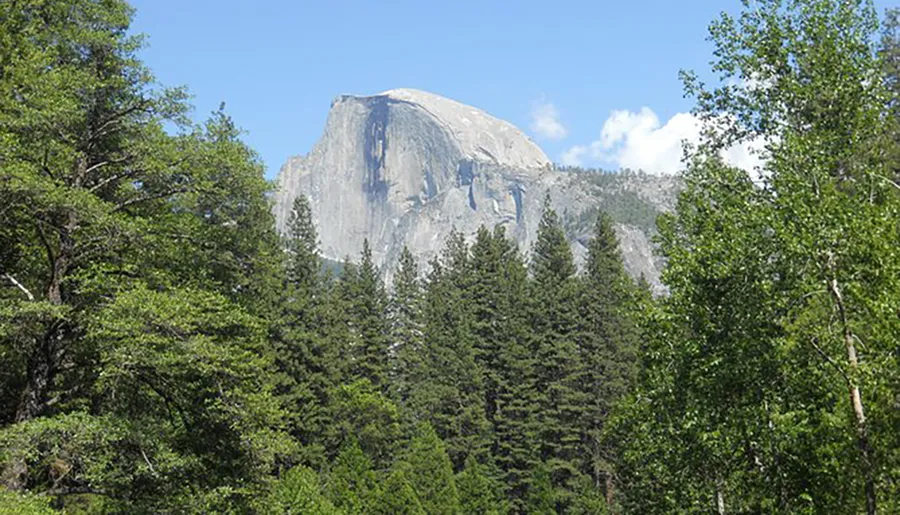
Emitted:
<point x="305" y="354"/>
<point x="430" y="472"/>
<point x="541" y="498"/>
<point x="366" y="303"/>
<point x="339" y="319"/>
<point x="351" y="481"/>
<point x="302" y="246"/>
<point x="297" y="492"/>
<point x="488" y="302"/>
<point x="406" y="328"/>
<point x="515" y="442"/>
<point x="479" y="493"/>
<point x="397" y="496"/>
<point x="362" y="414"/>
<point x="608" y="344"/>
<point x="554" y="312"/>
<point x="498" y="300"/>
<point x="452" y="398"/>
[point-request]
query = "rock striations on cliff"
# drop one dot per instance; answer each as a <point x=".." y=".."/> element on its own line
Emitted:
<point x="405" y="167"/>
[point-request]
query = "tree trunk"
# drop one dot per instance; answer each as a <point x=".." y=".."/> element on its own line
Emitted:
<point x="39" y="375"/>
<point x="862" y="435"/>
<point x="720" y="498"/>
<point x="42" y="362"/>
<point x="862" y="430"/>
<point x="51" y="348"/>
<point x="610" y="490"/>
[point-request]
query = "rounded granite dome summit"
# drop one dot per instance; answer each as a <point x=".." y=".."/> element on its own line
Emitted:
<point x="479" y="135"/>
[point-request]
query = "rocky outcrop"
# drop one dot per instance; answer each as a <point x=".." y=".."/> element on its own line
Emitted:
<point x="405" y="167"/>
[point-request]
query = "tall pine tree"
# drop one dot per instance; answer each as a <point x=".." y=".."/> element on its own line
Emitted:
<point x="479" y="493"/>
<point x="306" y="356"/>
<point x="406" y="328"/>
<point x="554" y="322"/>
<point x="608" y="343"/>
<point x="452" y="396"/>
<point x="514" y="413"/>
<point x="352" y="484"/>
<point x="366" y="304"/>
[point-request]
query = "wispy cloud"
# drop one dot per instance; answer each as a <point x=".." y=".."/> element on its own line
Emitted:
<point x="574" y="155"/>
<point x="545" y="121"/>
<point x="639" y="140"/>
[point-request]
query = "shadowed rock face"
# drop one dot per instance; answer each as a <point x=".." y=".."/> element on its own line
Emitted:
<point x="405" y="167"/>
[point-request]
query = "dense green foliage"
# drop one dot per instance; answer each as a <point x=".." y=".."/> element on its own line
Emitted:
<point x="771" y="378"/>
<point x="139" y="269"/>
<point x="163" y="350"/>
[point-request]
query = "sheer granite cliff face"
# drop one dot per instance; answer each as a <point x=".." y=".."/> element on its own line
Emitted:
<point x="405" y="167"/>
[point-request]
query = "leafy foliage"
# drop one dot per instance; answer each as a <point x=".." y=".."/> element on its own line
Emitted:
<point x="397" y="496"/>
<point x="430" y="472"/>
<point x="134" y="345"/>
<point x="773" y="363"/>
<point x="298" y="492"/>
<point x="478" y="493"/>
<point x="351" y="480"/>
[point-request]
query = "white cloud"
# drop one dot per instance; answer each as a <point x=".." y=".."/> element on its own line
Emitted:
<point x="639" y="140"/>
<point x="545" y="121"/>
<point x="572" y="157"/>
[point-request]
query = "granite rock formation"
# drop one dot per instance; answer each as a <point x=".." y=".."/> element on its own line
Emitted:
<point x="405" y="167"/>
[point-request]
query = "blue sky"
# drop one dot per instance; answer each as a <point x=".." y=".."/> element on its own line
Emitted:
<point x="593" y="82"/>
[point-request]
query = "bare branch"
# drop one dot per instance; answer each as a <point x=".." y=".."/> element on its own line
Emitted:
<point x="97" y="166"/>
<point x="829" y="360"/>
<point x="56" y="399"/>
<point x="19" y="285"/>
<point x="129" y="173"/>
<point x="892" y="183"/>
<point x="101" y="130"/>
<point x="78" y="490"/>
<point x="114" y="177"/>
<point x="137" y="200"/>
<point x="845" y="324"/>
<point x="147" y="460"/>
